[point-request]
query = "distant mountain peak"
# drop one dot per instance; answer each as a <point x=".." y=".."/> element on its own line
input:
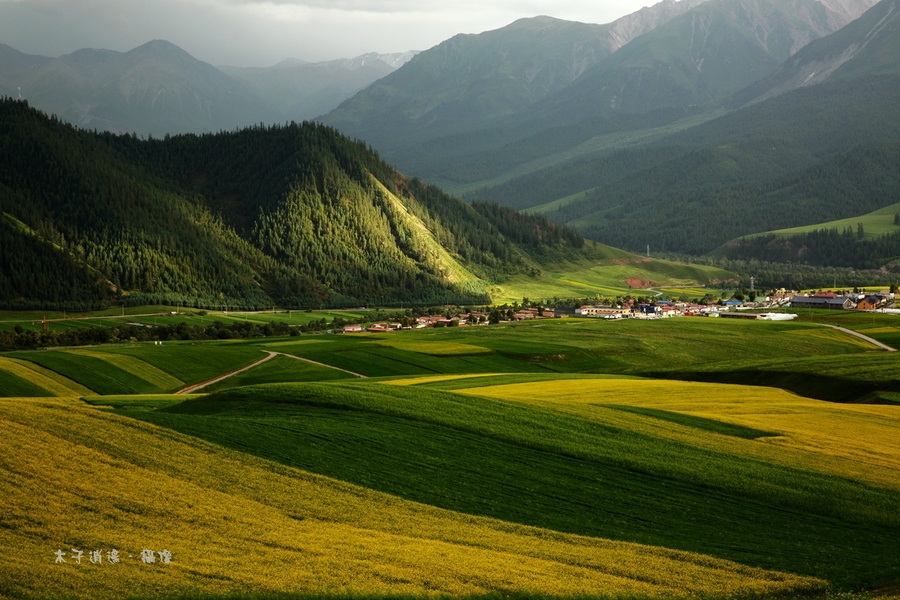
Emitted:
<point x="626" y="28"/>
<point x="162" y="48"/>
<point x="869" y="45"/>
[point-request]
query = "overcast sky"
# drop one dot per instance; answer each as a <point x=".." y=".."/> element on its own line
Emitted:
<point x="263" y="32"/>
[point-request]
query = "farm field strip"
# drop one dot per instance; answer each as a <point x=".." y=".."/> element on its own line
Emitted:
<point x="143" y="370"/>
<point x="191" y="362"/>
<point x="12" y="385"/>
<point x="53" y="383"/>
<point x="837" y="334"/>
<point x="234" y="523"/>
<point x="849" y="440"/>
<point x="434" y="348"/>
<point x="280" y="369"/>
<point x="96" y="374"/>
<point x="219" y="378"/>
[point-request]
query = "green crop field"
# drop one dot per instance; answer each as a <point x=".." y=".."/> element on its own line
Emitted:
<point x="563" y="472"/>
<point x="280" y="369"/>
<point x="557" y="458"/>
<point x="102" y="375"/>
<point x="188" y="361"/>
<point x="166" y="315"/>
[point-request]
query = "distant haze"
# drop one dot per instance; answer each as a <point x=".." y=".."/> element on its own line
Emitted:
<point x="264" y="32"/>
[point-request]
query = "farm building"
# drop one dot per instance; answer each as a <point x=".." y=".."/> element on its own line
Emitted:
<point x="835" y="302"/>
<point x="599" y="311"/>
<point x="871" y="302"/>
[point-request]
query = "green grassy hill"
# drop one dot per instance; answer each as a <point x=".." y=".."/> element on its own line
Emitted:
<point x="875" y="224"/>
<point x="232" y="524"/>
<point x="538" y="467"/>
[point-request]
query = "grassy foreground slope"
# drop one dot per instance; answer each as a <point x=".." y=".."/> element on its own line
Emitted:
<point x="80" y="479"/>
<point x="580" y="471"/>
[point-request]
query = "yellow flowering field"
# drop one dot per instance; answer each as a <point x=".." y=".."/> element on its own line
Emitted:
<point x="185" y="516"/>
<point x="434" y="348"/>
<point x="426" y="379"/>
<point x="853" y="440"/>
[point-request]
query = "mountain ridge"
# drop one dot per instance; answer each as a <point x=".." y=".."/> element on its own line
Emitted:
<point x="658" y="73"/>
<point x="158" y="88"/>
<point x="472" y="79"/>
<point x="854" y="49"/>
<point x="296" y="215"/>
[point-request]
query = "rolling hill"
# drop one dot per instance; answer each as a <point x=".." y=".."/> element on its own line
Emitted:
<point x="296" y="215"/>
<point x="534" y="459"/>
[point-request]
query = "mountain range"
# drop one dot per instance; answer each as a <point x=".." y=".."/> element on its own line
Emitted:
<point x="684" y="125"/>
<point x="471" y="96"/>
<point x="784" y="152"/>
<point x="159" y="89"/>
<point x="733" y="117"/>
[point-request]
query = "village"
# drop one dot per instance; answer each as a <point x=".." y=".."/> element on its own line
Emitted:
<point x="630" y="308"/>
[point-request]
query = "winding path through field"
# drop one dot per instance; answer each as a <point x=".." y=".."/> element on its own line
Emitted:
<point x="192" y="389"/>
<point x="314" y="362"/>
<point x="199" y="386"/>
<point x="862" y="337"/>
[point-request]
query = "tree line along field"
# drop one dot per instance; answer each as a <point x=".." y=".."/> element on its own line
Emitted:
<point x="552" y="459"/>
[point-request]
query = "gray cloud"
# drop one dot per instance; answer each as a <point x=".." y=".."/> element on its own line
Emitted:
<point x="262" y="32"/>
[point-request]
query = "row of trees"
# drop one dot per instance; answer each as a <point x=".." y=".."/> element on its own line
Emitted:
<point x="821" y="247"/>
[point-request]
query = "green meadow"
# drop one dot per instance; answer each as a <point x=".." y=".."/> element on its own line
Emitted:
<point x="618" y="274"/>
<point x="874" y="224"/>
<point x="765" y="451"/>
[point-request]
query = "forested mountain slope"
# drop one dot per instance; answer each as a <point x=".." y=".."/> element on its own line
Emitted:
<point x="296" y="215"/>
<point x="810" y="156"/>
<point x="814" y="154"/>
